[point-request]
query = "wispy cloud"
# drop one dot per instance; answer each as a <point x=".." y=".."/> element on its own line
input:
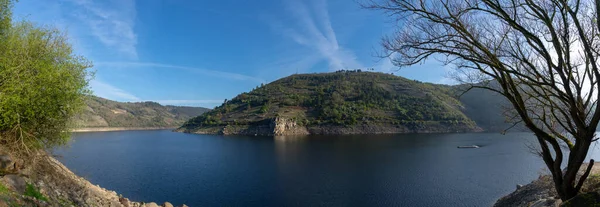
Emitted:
<point x="214" y="73"/>
<point x="111" y="92"/>
<point x="312" y="28"/>
<point x="111" y="22"/>
<point x="108" y="91"/>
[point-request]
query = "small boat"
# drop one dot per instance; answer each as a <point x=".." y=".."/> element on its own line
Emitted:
<point x="468" y="146"/>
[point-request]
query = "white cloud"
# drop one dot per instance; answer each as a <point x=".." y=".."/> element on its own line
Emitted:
<point x="108" y="91"/>
<point x="314" y="31"/>
<point x="111" y="22"/>
<point x="214" y="73"/>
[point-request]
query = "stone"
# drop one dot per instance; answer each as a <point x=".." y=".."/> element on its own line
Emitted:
<point x="15" y="183"/>
<point x="519" y="186"/>
<point x="539" y="203"/>
<point x="183" y="205"/>
<point x="583" y="199"/>
<point x="167" y="204"/>
<point x="6" y="163"/>
<point x="124" y="201"/>
<point x="151" y="205"/>
<point x="549" y="202"/>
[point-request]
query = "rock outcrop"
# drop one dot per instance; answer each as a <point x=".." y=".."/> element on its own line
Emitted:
<point x="283" y="126"/>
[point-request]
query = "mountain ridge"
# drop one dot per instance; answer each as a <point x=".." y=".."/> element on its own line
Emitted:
<point x="102" y="114"/>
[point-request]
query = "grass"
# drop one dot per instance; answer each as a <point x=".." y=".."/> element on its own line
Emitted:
<point x="31" y="191"/>
<point x="3" y="189"/>
<point x="592" y="183"/>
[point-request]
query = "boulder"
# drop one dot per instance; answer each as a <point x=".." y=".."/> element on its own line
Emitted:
<point x="6" y="163"/>
<point x="183" y="205"/>
<point x="15" y="183"/>
<point x="151" y="205"/>
<point x="549" y="202"/>
<point x="167" y="204"/>
<point x="583" y="200"/>
<point x="519" y="186"/>
<point x="124" y="201"/>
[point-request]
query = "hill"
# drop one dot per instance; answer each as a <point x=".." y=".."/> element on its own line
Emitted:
<point x="344" y="102"/>
<point x="487" y="109"/>
<point x="103" y="113"/>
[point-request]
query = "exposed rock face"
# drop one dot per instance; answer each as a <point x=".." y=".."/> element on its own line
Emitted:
<point x="15" y="183"/>
<point x="284" y="126"/>
<point x="6" y="163"/>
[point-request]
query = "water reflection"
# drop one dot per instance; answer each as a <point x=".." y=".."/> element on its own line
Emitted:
<point x="353" y="170"/>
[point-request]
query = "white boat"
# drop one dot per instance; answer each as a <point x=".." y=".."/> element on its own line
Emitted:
<point x="468" y="146"/>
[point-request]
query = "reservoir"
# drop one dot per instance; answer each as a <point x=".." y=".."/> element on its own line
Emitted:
<point x="332" y="170"/>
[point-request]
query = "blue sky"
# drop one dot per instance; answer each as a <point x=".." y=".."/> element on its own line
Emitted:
<point x="198" y="53"/>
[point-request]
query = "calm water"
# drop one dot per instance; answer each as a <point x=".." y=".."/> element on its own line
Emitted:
<point x="365" y="170"/>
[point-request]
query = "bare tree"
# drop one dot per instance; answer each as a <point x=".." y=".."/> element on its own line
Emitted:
<point x="542" y="55"/>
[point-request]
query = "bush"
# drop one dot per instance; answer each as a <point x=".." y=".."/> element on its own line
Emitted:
<point x="3" y="189"/>
<point x="31" y="191"/>
<point x="42" y="85"/>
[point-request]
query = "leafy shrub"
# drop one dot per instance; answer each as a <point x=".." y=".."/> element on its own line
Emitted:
<point x="42" y="84"/>
<point x="31" y="191"/>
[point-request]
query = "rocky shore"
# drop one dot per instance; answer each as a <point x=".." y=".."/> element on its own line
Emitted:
<point x="541" y="193"/>
<point x="285" y="127"/>
<point x="42" y="181"/>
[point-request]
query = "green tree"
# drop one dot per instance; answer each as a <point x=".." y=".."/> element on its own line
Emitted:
<point x="42" y="84"/>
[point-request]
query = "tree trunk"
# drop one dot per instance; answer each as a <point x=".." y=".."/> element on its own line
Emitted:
<point x="566" y="183"/>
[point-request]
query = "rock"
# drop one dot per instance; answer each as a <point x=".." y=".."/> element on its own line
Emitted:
<point x="549" y="202"/>
<point x="539" y="203"/>
<point x="6" y="163"/>
<point x="15" y="183"/>
<point x="151" y="205"/>
<point x="167" y="204"/>
<point x="124" y="201"/>
<point x="583" y="199"/>
<point x="183" y="205"/>
<point x="519" y="186"/>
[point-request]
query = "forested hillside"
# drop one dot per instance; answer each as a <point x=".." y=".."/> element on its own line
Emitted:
<point x="340" y="102"/>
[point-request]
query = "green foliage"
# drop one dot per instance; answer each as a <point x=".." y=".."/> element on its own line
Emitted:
<point x="344" y="98"/>
<point x="3" y="189"/>
<point x="32" y="191"/>
<point x="5" y="16"/>
<point x="42" y="84"/>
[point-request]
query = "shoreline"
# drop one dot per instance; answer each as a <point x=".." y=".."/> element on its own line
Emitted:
<point x="113" y="129"/>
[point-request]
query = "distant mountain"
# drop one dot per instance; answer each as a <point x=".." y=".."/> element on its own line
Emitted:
<point x="351" y="102"/>
<point x="102" y="113"/>
<point x="486" y="108"/>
